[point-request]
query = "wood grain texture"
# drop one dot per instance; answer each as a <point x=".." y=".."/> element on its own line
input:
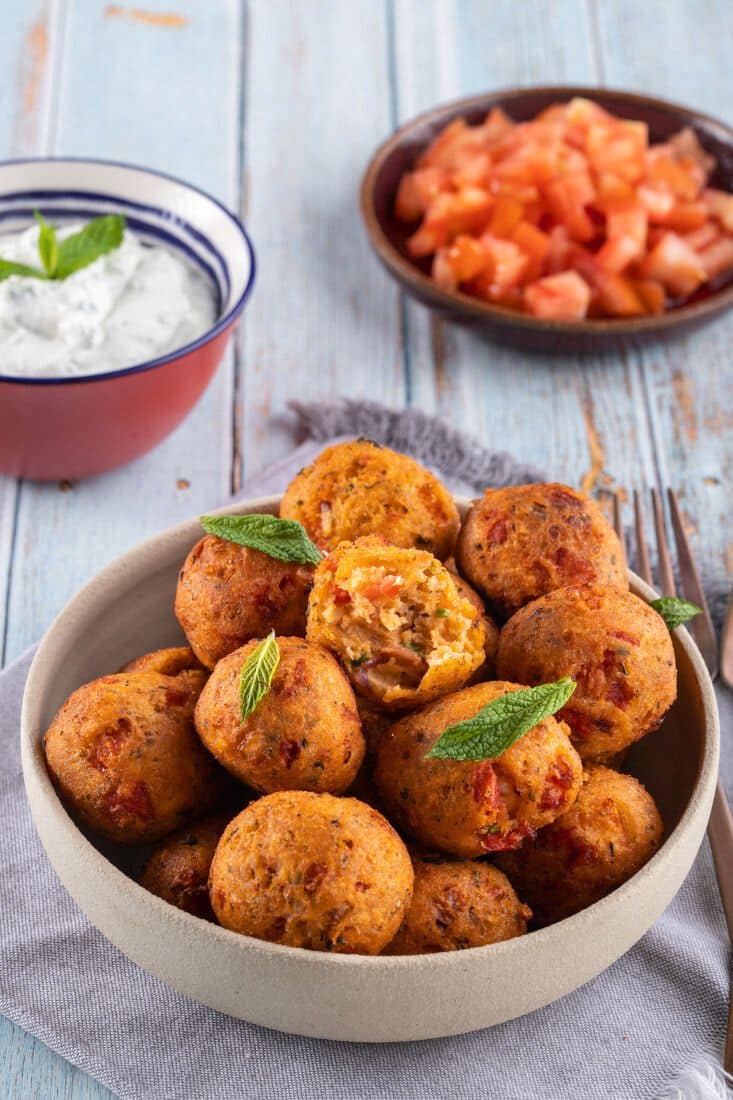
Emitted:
<point x="276" y="107"/>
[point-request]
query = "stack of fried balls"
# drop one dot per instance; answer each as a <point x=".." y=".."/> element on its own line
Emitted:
<point x="319" y="820"/>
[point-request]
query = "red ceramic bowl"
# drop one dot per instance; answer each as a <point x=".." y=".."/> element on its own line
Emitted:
<point x="73" y="427"/>
<point x="387" y="236"/>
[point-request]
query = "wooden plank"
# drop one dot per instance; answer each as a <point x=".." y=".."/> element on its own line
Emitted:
<point x="29" y="1070"/>
<point x="687" y="388"/>
<point x="26" y="57"/>
<point x="165" y="94"/>
<point x="323" y="319"/>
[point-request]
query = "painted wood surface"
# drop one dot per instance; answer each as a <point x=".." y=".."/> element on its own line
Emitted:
<point x="275" y="106"/>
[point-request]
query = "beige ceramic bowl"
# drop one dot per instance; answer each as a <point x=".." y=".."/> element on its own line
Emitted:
<point x="127" y="609"/>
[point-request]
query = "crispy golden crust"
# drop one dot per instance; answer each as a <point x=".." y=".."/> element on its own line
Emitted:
<point x="607" y="835"/>
<point x="360" y="488"/>
<point x="457" y="903"/>
<point x="168" y="661"/>
<point x="397" y="622"/>
<point x="487" y="671"/>
<point x="616" y="648"/>
<point x="178" y="870"/>
<point x="520" y="542"/>
<point x="314" y="871"/>
<point x="468" y="808"/>
<point x="304" y="734"/>
<point x="228" y="594"/>
<point x="124" y="755"/>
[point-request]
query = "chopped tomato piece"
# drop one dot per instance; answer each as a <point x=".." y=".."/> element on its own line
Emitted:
<point x="676" y="265"/>
<point x="563" y="297"/>
<point x="618" y="297"/>
<point x="508" y="263"/>
<point x="384" y="589"/>
<point x="567" y="198"/>
<point x="718" y="257"/>
<point x="505" y="216"/>
<point x="651" y="294"/>
<point x="569" y="214"/>
<point x="459" y="262"/>
<point x="720" y="205"/>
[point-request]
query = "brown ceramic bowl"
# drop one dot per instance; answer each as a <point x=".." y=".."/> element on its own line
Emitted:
<point x="505" y="326"/>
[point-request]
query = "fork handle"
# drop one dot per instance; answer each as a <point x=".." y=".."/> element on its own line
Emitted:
<point x="720" y="833"/>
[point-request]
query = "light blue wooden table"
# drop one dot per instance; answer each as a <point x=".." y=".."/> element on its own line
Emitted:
<point x="275" y="106"/>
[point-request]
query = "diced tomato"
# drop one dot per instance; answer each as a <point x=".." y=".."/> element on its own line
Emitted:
<point x="563" y="297"/>
<point x="505" y="217"/>
<point x="535" y="244"/>
<point x="618" y="297"/>
<point x="618" y="147"/>
<point x="651" y="294"/>
<point x="685" y="216"/>
<point x="626" y="230"/>
<point x="720" y="205"/>
<point x="658" y="203"/>
<point x="508" y="263"/>
<point x="613" y="191"/>
<point x="569" y="214"/>
<point x="676" y="265"/>
<point x="567" y="198"/>
<point x="665" y="171"/>
<point x="702" y="237"/>
<point x="474" y="173"/>
<point x="459" y="262"/>
<point x="718" y="257"/>
<point x="386" y="588"/>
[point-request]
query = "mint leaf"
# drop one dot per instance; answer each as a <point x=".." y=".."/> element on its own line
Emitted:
<point x="284" y="539"/>
<point x="675" y="611"/>
<point x="97" y="238"/>
<point x="8" y="268"/>
<point x="257" y="672"/>
<point x="501" y="722"/>
<point x="47" y="244"/>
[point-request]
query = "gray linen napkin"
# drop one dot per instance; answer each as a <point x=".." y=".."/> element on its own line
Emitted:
<point x="650" y="1026"/>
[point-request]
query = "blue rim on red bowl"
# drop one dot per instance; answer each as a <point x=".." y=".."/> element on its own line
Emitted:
<point x="150" y="221"/>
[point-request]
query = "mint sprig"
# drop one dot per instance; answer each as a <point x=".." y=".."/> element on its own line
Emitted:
<point x="501" y="722"/>
<point x="675" y="611"/>
<point x="62" y="258"/>
<point x="283" y="539"/>
<point x="255" y="679"/>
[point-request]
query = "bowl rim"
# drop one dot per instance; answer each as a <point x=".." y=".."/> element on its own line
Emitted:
<point x="144" y="554"/>
<point x="220" y="325"/>
<point x="457" y="302"/>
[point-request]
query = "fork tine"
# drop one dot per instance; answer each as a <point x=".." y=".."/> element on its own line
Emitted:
<point x="644" y="566"/>
<point x="701" y="627"/>
<point x="666" y="573"/>
<point x="619" y="528"/>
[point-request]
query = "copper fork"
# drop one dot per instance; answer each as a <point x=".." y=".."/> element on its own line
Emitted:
<point x="720" y="825"/>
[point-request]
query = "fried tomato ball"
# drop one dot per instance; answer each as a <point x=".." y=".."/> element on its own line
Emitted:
<point x="491" y="630"/>
<point x="616" y="648"/>
<point x="304" y="734"/>
<point x="608" y="834"/>
<point x="169" y="661"/>
<point x="520" y="542"/>
<point x="311" y="870"/>
<point x="178" y="870"/>
<point x="124" y="755"/>
<point x="360" y="488"/>
<point x="457" y="903"/>
<point x="228" y="594"/>
<point x="471" y="807"/>
<point x="396" y="621"/>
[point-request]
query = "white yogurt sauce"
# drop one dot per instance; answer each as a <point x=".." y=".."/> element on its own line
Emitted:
<point x="136" y="303"/>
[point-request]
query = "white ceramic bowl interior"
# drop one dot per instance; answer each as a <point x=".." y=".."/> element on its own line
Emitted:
<point x="127" y="610"/>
